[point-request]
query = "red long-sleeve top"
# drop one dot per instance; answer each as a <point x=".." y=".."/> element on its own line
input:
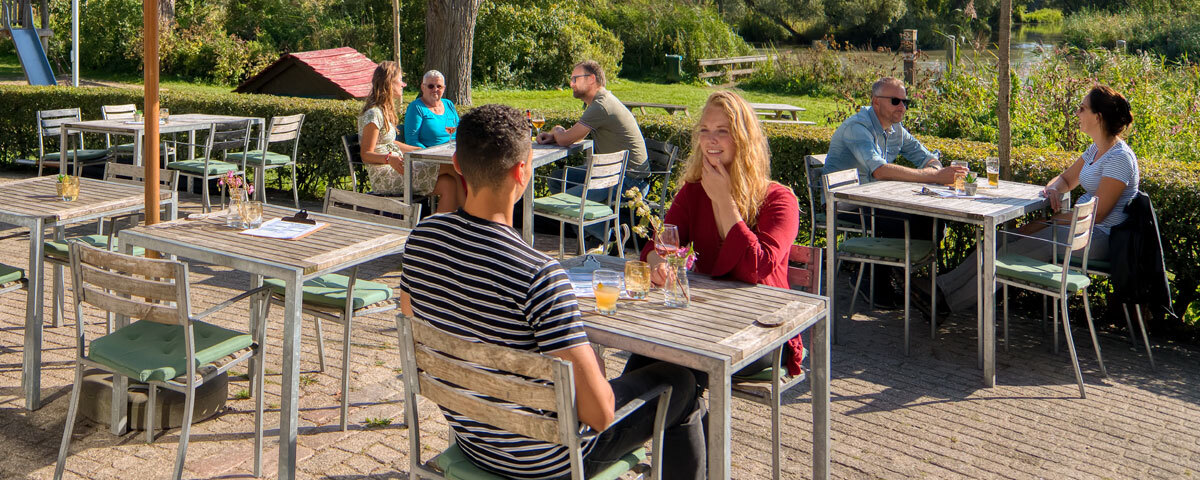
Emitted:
<point x="756" y="255"/>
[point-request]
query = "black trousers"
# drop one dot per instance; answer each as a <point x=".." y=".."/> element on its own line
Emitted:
<point x="684" y="452"/>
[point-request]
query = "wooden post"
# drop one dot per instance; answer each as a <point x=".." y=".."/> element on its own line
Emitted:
<point x="908" y="45"/>
<point x="951" y="53"/>
<point x="150" y="108"/>
<point x="1005" y="87"/>
<point x="396" y="34"/>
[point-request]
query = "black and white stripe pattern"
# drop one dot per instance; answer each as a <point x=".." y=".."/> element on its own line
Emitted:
<point x="1120" y="163"/>
<point x="478" y="280"/>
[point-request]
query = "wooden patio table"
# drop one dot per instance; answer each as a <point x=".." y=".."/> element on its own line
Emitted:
<point x="542" y="155"/>
<point x="34" y="204"/>
<point x="720" y="333"/>
<point x="341" y="244"/>
<point x="178" y="123"/>
<point x="1008" y="201"/>
<point x="780" y="113"/>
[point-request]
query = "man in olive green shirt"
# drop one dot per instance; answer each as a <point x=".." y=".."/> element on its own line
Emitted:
<point x="613" y="129"/>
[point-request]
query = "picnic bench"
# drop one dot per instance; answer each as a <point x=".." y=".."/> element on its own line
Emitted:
<point x="780" y="113"/>
<point x="669" y="107"/>
<point x="729" y="65"/>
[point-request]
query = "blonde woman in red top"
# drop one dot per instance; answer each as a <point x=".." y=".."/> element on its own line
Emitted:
<point x="740" y="222"/>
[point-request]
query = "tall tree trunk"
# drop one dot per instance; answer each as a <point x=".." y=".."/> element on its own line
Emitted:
<point x="1005" y="89"/>
<point x="449" y="44"/>
<point x="166" y="12"/>
<point x="774" y="17"/>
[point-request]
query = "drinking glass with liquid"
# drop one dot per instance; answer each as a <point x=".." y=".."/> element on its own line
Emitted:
<point x="993" y="171"/>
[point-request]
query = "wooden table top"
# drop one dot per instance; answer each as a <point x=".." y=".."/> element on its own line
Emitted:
<point x="671" y="108"/>
<point x="722" y="318"/>
<point x="178" y="123"/>
<point x="1006" y="202"/>
<point x="341" y="242"/>
<point x="38" y="197"/>
<point x="778" y="107"/>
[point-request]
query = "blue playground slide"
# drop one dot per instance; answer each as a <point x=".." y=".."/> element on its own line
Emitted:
<point x="29" y="50"/>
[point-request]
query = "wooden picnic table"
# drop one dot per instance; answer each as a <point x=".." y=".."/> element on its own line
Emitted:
<point x="720" y="334"/>
<point x="34" y="204"/>
<point x="1008" y="201"/>
<point x="542" y="155"/>
<point x="342" y="244"/>
<point x="178" y="123"/>
<point x="669" y="107"/>
<point x="780" y="113"/>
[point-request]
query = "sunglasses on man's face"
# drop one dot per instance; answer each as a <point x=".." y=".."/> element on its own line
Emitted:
<point x="897" y="100"/>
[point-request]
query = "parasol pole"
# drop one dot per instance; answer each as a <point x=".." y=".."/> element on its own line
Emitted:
<point x="150" y="157"/>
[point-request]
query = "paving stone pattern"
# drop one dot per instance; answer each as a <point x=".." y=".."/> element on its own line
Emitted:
<point x="921" y="416"/>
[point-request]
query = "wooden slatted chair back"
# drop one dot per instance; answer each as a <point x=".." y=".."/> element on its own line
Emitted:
<point x="50" y="121"/>
<point x="353" y="149"/>
<point x="228" y="136"/>
<point x="1083" y="217"/>
<point x="661" y="155"/>
<point x="118" y="112"/>
<point x="371" y="208"/>
<point x="606" y="170"/>
<point x="836" y="180"/>
<point x="804" y="268"/>
<point x="437" y="362"/>
<point x="285" y="128"/>
<point x="137" y="287"/>
<point x="136" y="175"/>
<point x="814" y="169"/>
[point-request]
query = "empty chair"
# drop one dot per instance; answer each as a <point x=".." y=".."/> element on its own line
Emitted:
<point x="11" y="278"/>
<point x="280" y="130"/>
<point x="605" y="171"/>
<point x="527" y="393"/>
<point x="57" y="251"/>
<point x="222" y="138"/>
<point x="166" y="346"/>
<point x="897" y="252"/>
<point x="767" y="386"/>
<point x="662" y="156"/>
<point x="339" y="298"/>
<point x="1057" y="280"/>
<point x="49" y="125"/>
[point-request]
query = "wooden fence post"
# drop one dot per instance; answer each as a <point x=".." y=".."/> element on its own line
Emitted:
<point x="908" y="45"/>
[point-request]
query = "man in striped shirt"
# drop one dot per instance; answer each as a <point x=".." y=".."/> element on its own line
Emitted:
<point x="469" y="273"/>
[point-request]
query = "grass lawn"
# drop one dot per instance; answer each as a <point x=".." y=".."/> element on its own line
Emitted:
<point x="691" y="95"/>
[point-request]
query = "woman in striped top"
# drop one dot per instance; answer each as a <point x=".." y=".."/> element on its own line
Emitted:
<point x="1107" y="170"/>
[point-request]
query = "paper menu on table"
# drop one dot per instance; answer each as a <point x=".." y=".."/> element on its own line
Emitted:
<point x="278" y="228"/>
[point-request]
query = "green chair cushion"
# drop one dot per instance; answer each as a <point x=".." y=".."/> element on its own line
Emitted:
<point x="1037" y="272"/>
<point x="62" y="250"/>
<point x="763" y="375"/>
<point x="255" y="157"/>
<point x="1094" y="264"/>
<point x="330" y="291"/>
<point x="10" y="274"/>
<point x="215" y="167"/>
<point x="892" y="248"/>
<point x="149" y="351"/>
<point x="456" y="465"/>
<point x="126" y="148"/>
<point x="84" y="154"/>
<point x="842" y="224"/>
<point x="567" y="205"/>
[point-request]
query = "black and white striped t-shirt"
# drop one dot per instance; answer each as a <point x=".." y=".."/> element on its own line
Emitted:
<point x="1119" y="163"/>
<point x="478" y="280"/>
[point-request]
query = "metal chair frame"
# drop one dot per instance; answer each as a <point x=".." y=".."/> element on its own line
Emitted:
<point x="223" y="137"/>
<point x="49" y="125"/>
<point x="280" y="130"/>
<point x="604" y="171"/>
<point x="662" y="156"/>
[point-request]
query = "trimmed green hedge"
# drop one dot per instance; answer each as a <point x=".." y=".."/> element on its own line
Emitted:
<point x="1173" y="185"/>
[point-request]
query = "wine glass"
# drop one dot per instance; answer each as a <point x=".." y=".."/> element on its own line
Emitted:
<point x="666" y="242"/>
<point x="538" y="121"/>
<point x="451" y="130"/>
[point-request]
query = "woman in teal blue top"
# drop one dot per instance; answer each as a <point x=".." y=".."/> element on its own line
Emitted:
<point x="431" y="119"/>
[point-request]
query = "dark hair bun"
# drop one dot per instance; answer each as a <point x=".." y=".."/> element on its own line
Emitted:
<point x="1113" y="108"/>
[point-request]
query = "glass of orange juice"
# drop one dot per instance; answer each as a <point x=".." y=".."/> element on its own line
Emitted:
<point x="606" y="284"/>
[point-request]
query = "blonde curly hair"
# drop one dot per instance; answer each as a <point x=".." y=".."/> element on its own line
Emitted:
<point x="750" y="172"/>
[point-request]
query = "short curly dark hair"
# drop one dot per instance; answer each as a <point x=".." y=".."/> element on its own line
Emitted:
<point x="492" y="139"/>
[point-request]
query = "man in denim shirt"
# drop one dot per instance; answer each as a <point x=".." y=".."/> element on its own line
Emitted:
<point x="869" y="141"/>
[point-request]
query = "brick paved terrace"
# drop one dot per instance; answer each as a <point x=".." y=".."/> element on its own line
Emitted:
<point x="921" y="416"/>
